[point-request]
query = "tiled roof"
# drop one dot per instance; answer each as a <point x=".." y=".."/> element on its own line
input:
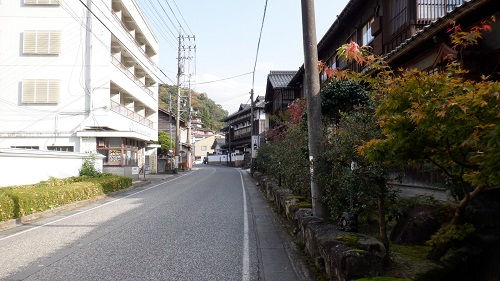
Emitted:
<point x="260" y="102"/>
<point x="244" y="107"/>
<point x="280" y="79"/>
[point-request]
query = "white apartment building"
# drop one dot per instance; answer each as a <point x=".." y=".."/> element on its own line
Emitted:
<point x="79" y="76"/>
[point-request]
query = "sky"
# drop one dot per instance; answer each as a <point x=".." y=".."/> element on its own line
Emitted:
<point x="226" y="38"/>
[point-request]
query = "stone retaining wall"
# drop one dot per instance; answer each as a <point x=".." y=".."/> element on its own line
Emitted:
<point x="332" y="250"/>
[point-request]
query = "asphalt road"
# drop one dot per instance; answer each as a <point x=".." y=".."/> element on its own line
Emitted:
<point x="206" y="224"/>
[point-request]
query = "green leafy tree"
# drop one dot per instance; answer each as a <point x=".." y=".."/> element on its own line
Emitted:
<point x="352" y="182"/>
<point x="166" y="143"/>
<point x="285" y="156"/>
<point x="210" y="112"/>
<point x="442" y="118"/>
<point x="339" y="96"/>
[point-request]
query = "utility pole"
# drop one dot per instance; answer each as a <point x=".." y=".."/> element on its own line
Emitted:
<point x="180" y="72"/>
<point x="253" y="136"/>
<point x="170" y="128"/>
<point x="229" y="156"/>
<point x="188" y="155"/>
<point x="178" y="115"/>
<point x="189" y="132"/>
<point x="312" y="87"/>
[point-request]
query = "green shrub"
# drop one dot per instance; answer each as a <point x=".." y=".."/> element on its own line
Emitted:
<point x="89" y="169"/>
<point x="451" y="234"/>
<point x="6" y="207"/>
<point x="29" y="199"/>
<point x="399" y="207"/>
<point x="58" y="182"/>
<point x="111" y="183"/>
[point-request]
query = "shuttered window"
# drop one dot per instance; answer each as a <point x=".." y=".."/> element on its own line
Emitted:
<point x="41" y="91"/>
<point x="44" y="42"/>
<point x="42" y="2"/>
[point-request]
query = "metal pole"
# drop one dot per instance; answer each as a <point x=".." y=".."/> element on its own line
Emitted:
<point x="312" y="87"/>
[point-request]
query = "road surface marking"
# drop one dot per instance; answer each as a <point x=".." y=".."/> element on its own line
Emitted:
<point x="246" y="251"/>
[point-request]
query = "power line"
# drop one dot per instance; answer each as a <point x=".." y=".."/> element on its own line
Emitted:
<point x="166" y="14"/>
<point x="158" y="23"/>
<point x="152" y="72"/>
<point x="173" y="13"/>
<point x="182" y="17"/>
<point x="252" y="126"/>
<point x="258" y="44"/>
<point x="168" y="28"/>
<point x="224" y="78"/>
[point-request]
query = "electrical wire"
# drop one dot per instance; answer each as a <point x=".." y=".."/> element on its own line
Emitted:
<point x="155" y="17"/>
<point x="258" y="44"/>
<point x="182" y="17"/>
<point x="225" y="78"/>
<point x="137" y="59"/>
<point x="166" y="14"/>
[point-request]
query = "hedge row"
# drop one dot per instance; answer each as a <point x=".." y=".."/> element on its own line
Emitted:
<point x="19" y="201"/>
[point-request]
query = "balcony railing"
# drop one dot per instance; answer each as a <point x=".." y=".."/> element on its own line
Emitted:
<point x="132" y="37"/>
<point x="429" y="10"/>
<point x="130" y="114"/>
<point x="130" y="75"/>
<point x="242" y="133"/>
<point x="400" y="18"/>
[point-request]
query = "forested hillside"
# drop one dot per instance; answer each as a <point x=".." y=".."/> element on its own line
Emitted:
<point x="210" y="112"/>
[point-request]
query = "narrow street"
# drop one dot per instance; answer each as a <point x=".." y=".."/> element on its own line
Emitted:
<point x="207" y="224"/>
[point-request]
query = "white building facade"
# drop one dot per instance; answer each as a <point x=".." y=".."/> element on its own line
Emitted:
<point x="79" y="77"/>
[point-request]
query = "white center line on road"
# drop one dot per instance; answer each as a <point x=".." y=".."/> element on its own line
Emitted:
<point x="85" y="211"/>
<point x="246" y="251"/>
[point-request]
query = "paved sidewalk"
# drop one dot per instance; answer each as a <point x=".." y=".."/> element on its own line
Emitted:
<point x="279" y="257"/>
<point x="150" y="178"/>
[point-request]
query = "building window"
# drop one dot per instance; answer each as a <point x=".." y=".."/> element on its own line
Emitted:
<point x="367" y="32"/>
<point x="42" y="42"/>
<point x="40" y="91"/>
<point x="333" y="62"/>
<point x="25" y="147"/>
<point x="61" y="148"/>
<point x="118" y="151"/>
<point x="323" y="76"/>
<point x="203" y="148"/>
<point x="42" y="2"/>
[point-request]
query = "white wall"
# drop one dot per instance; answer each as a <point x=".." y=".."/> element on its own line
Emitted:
<point x="79" y="107"/>
<point x="25" y="166"/>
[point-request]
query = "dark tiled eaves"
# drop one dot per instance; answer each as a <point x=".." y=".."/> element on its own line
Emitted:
<point x="280" y="79"/>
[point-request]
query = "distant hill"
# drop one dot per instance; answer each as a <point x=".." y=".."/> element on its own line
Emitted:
<point x="203" y="107"/>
